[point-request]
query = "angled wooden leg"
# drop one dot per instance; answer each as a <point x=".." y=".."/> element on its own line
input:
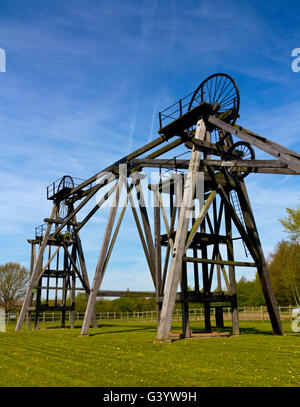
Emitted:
<point x="186" y="333"/>
<point x="230" y="255"/>
<point x="84" y="273"/>
<point x="32" y="264"/>
<point x="158" y="280"/>
<point x="100" y="265"/>
<point x="37" y="305"/>
<point x="180" y="239"/>
<point x="262" y="269"/>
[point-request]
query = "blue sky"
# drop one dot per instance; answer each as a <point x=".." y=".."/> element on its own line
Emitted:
<point x="84" y="82"/>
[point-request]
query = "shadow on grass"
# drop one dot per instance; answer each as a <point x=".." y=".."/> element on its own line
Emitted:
<point x="121" y="331"/>
<point x="243" y="330"/>
<point x="250" y="330"/>
<point x="130" y="328"/>
<point x="256" y="331"/>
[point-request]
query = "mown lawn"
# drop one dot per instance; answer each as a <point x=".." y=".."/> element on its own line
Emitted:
<point x="123" y="354"/>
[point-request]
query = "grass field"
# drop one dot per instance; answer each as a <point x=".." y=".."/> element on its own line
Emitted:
<point x="123" y="354"/>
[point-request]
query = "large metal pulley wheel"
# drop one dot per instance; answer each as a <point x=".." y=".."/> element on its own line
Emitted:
<point x="220" y="89"/>
<point x="64" y="207"/>
<point x="239" y="151"/>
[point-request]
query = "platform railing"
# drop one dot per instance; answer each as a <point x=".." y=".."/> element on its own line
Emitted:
<point x="53" y="188"/>
<point x="176" y="110"/>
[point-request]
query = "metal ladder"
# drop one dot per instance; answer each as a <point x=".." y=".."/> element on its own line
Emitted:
<point x="237" y="207"/>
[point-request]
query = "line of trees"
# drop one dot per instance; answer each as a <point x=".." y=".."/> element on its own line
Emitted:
<point x="124" y="304"/>
<point x="13" y="284"/>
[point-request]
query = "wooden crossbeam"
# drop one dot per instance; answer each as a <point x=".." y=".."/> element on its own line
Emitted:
<point x="221" y="262"/>
<point x="258" y="166"/>
<point x="285" y="155"/>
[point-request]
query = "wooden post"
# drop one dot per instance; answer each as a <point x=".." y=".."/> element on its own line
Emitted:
<point x="261" y="262"/>
<point x="32" y="264"/>
<point x="157" y="233"/>
<point x="84" y="271"/>
<point x="180" y="239"/>
<point x="230" y="255"/>
<point x="186" y="333"/>
<point x="100" y="265"/>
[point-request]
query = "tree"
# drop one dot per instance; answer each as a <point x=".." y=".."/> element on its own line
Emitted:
<point x="13" y="284"/>
<point x="291" y="224"/>
<point x="284" y="269"/>
<point x="249" y="293"/>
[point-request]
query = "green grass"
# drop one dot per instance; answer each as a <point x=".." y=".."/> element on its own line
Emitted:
<point x="123" y="354"/>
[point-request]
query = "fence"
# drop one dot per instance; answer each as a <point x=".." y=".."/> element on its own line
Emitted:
<point x="196" y="314"/>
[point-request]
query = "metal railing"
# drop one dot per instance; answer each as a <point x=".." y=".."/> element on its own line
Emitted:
<point x="40" y="230"/>
<point x="63" y="182"/>
<point x="174" y="111"/>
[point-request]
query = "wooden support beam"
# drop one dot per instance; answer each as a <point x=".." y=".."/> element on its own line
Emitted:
<point x="221" y="262"/>
<point x="252" y="249"/>
<point x="47" y="264"/>
<point x="32" y="264"/>
<point x="200" y="219"/>
<point x="87" y="289"/>
<point x="117" y="228"/>
<point x="258" y="166"/>
<point x="232" y="292"/>
<point x="146" y="223"/>
<point x="95" y="209"/>
<point x="100" y="265"/>
<point x="186" y="332"/>
<point x="262" y="265"/>
<point x="83" y="269"/>
<point x="157" y="232"/>
<point x="170" y="245"/>
<point x="291" y="158"/>
<point x="180" y="239"/>
<point x="38" y="265"/>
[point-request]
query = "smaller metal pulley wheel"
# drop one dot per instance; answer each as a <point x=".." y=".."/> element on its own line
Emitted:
<point x="240" y="151"/>
<point x="64" y="209"/>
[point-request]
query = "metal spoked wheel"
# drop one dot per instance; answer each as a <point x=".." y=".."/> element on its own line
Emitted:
<point x="240" y="151"/>
<point x="63" y="210"/>
<point x="222" y="89"/>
